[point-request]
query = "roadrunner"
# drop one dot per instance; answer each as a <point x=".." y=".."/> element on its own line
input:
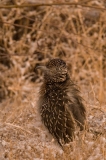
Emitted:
<point x="60" y="103"/>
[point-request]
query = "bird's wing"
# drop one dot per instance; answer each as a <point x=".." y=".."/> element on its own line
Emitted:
<point x="76" y="106"/>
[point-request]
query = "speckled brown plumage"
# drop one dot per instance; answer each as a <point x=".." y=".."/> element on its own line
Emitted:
<point x="60" y="103"/>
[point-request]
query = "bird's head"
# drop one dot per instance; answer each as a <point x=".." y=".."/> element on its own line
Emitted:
<point x="55" y="71"/>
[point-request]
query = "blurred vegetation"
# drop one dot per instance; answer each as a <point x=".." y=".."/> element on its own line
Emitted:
<point x="29" y="36"/>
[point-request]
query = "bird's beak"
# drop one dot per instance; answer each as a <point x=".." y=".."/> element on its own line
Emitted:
<point x="43" y="68"/>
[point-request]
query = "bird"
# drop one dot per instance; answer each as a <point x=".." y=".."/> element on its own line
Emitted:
<point x="60" y="104"/>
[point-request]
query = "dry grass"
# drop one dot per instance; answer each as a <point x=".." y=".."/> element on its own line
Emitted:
<point x="30" y="36"/>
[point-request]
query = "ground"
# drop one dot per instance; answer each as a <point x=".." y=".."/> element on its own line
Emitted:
<point x="23" y="136"/>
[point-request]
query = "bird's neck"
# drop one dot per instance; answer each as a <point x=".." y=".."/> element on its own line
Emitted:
<point x="47" y="87"/>
<point x="56" y="84"/>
